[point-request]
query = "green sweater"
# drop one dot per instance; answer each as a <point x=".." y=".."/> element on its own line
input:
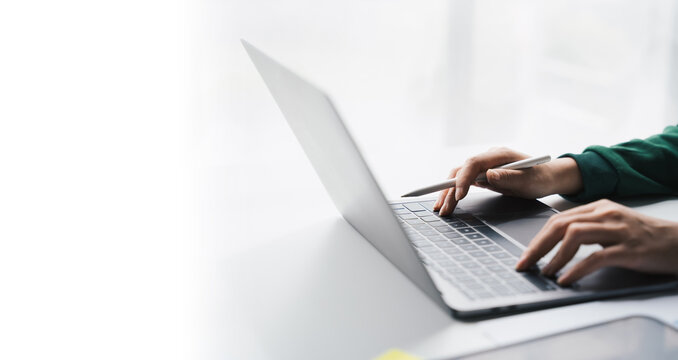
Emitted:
<point x="636" y="167"/>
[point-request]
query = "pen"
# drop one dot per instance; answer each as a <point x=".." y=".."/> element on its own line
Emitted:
<point x="521" y="164"/>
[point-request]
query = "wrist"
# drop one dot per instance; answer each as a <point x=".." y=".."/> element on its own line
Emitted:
<point x="565" y="176"/>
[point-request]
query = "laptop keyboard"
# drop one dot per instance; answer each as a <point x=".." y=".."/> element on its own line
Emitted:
<point x="469" y="254"/>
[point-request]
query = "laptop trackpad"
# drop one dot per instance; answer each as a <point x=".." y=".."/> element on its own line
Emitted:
<point x="614" y="278"/>
<point x="521" y="219"/>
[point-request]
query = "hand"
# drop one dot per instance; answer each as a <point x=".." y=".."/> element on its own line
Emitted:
<point x="629" y="239"/>
<point x="560" y="176"/>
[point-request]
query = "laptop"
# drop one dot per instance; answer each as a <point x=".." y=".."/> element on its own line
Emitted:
<point x="464" y="263"/>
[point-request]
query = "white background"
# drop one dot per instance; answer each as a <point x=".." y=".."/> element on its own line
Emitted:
<point x="141" y="152"/>
<point x="94" y="193"/>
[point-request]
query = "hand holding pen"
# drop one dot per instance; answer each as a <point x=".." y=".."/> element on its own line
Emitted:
<point x="560" y="176"/>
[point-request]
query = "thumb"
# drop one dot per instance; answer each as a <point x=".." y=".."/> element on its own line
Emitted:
<point x="503" y="179"/>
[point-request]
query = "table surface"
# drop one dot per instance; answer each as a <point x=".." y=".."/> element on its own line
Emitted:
<point x="307" y="285"/>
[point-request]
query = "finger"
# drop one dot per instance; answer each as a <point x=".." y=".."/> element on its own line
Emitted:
<point x="441" y="198"/>
<point x="611" y="256"/>
<point x="578" y="234"/>
<point x="506" y="181"/>
<point x="550" y="234"/>
<point x="479" y="164"/>
<point x="588" y="208"/>
<point x="450" y="203"/>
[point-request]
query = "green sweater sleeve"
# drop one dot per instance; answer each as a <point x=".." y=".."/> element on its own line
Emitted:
<point x="636" y="167"/>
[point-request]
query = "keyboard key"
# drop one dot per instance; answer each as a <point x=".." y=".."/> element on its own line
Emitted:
<point x="421" y="226"/>
<point x="438" y="256"/>
<point x="460" y="241"/>
<point x="479" y="272"/>
<point x="506" y="275"/>
<point x="496" y="268"/>
<point x="432" y="249"/>
<point x="447" y="263"/>
<point x="429" y="218"/>
<point x="466" y="279"/>
<point x="466" y="230"/>
<point x="491" y="248"/>
<point x="486" y="261"/>
<point x="428" y="232"/>
<point x="452" y="250"/>
<point x="466" y="293"/>
<point x="469" y="247"/>
<point x="522" y="287"/>
<point x="470" y="265"/>
<point x="478" y="254"/>
<point x="429" y="250"/>
<point x="500" y="240"/>
<point x="502" y="290"/>
<point x="437" y="223"/>
<point x="436" y="238"/>
<point x="474" y="236"/>
<point x="446" y="245"/>
<point x="401" y="211"/>
<point x="414" y="221"/>
<point x="461" y="258"/>
<point x="482" y="242"/>
<point x="457" y="224"/>
<point x="510" y="262"/>
<point x="408" y="216"/>
<point x="427" y="247"/>
<point x="455" y="271"/>
<point x="396" y="206"/>
<point x="482" y="295"/>
<point x="445" y="229"/>
<point x="454" y="235"/>
<point x="488" y="280"/>
<point x="470" y="219"/>
<point x="414" y="207"/>
<point x="501" y="255"/>
<point x="473" y="285"/>
<point x="463" y="277"/>
<point x="428" y="204"/>
<point x="538" y="281"/>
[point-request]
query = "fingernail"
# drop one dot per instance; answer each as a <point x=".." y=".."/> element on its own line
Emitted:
<point x="491" y="174"/>
<point x="443" y="210"/>
<point x="562" y="280"/>
<point x="521" y="261"/>
<point x="546" y="270"/>
<point x="520" y="265"/>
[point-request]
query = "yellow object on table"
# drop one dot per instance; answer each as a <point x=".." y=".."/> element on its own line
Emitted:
<point x="395" y="354"/>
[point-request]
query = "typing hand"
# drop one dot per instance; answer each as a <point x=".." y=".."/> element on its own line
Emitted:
<point x="629" y="239"/>
<point x="558" y="176"/>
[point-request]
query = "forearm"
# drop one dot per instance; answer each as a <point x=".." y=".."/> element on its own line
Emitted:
<point x="636" y="167"/>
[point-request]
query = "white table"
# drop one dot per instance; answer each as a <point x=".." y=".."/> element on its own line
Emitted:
<point x="313" y="288"/>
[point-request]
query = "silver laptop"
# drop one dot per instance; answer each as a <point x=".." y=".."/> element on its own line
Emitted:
<point x="464" y="263"/>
